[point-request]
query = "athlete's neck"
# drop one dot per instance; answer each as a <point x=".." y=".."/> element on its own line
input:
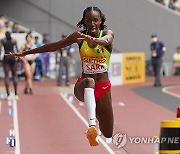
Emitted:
<point x="93" y="34"/>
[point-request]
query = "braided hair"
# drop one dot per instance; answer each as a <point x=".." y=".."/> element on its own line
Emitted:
<point x="81" y="23"/>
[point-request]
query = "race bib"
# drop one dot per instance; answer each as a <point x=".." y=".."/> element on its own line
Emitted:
<point x="93" y="65"/>
<point x="64" y="53"/>
<point x="94" y="68"/>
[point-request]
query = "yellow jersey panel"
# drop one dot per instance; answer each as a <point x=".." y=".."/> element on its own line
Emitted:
<point x="94" y="60"/>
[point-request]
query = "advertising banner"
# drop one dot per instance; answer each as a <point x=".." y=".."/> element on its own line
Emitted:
<point x="133" y="67"/>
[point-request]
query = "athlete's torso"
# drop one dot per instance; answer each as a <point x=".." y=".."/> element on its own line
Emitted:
<point x="9" y="45"/>
<point x="95" y="60"/>
<point x="26" y="48"/>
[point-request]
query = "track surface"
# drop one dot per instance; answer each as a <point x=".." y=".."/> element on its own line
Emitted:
<point x="48" y="125"/>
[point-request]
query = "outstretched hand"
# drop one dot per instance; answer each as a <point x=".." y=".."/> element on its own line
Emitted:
<point x="19" y="54"/>
<point x="87" y="38"/>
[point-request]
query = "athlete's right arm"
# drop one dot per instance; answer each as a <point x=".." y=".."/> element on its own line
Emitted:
<point x="17" y="50"/>
<point x="1" y="45"/>
<point x="50" y="47"/>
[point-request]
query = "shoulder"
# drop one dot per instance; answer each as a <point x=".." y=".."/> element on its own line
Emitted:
<point x="3" y="40"/>
<point x="108" y="32"/>
<point x="14" y="41"/>
<point x="162" y="43"/>
<point x="34" y="46"/>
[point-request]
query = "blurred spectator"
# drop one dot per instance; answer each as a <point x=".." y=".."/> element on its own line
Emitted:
<point x="177" y="5"/>
<point x="171" y="4"/>
<point x="39" y="61"/>
<point x="37" y="42"/>
<point x="46" y="55"/>
<point x="28" y="63"/>
<point x="176" y="62"/>
<point x="16" y="28"/>
<point x="157" y="50"/>
<point x="160" y="2"/>
<point x="2" y="24"/>
<point x="8" y="26"/>
<point x="64" y="63"/>
<point x="10" y="63"/>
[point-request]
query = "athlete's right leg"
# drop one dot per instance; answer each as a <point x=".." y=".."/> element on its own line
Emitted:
<point x="6" y="69"/>
<point x="27" y="69"/>
<point x="33" y="66"/>
<point x="14" y="76"/>
<point x="67" y="65"/>
<point x="84" y="91"/>
<point x="60" y="72"/>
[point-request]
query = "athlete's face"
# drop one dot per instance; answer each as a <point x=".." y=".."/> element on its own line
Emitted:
<point x="29" y="38"/>
<point x="93" y="22"/>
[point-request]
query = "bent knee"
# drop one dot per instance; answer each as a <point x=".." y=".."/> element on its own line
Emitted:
<point x="89" y="83"/>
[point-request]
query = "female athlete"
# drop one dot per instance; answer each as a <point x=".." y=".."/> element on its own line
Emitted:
<point x="93" y="87"/>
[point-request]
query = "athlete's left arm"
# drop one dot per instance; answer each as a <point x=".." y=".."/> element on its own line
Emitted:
<point x="17" y="50"/>
<point x="0" y="46"/>
<point x="106" y="40"/>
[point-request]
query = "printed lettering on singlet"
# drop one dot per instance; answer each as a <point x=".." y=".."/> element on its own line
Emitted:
<point x="92" y="65"/>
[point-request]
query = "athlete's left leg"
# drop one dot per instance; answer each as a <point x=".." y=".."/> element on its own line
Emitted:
<point x="28" y="73"/>
<point x="104" y="113"/>
<point x="6" y="69"/>
<point x="14" y="78"/>
<point x="84" y="91"/>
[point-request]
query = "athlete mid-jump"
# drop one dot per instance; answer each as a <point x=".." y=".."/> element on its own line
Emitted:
<point x="93" y="87"/>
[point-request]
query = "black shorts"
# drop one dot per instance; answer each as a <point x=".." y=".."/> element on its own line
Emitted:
<point x="9" y="60"/>
<point x="31" y="62"/>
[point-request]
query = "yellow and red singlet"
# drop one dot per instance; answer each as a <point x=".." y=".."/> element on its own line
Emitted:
<point x="94" y="60"/>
